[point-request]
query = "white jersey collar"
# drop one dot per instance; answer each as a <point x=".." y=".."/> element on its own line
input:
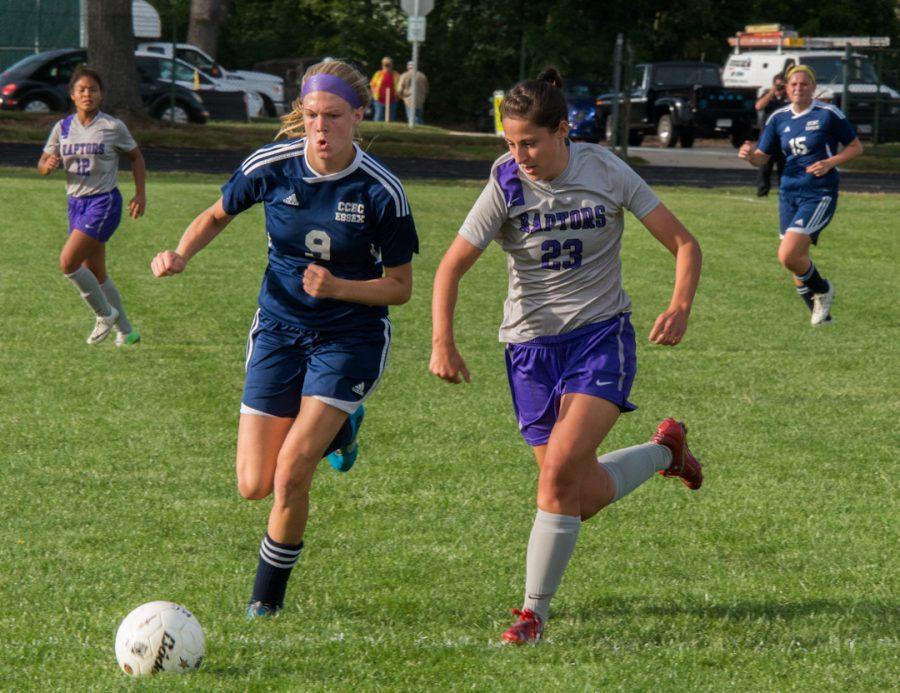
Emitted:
<point x="317" y="177"/>
<point x="802" y="113"/>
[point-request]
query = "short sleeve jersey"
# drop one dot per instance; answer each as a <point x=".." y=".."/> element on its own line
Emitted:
<point x="562" y="239"/>
<point x="805" y="138"/>
<point x="90" y="153"/>
<point x="353" y="223"/>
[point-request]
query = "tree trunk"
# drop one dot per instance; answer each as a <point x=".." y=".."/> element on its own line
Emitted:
<point x="206" y="18"/>
<point x="110" y="44"/>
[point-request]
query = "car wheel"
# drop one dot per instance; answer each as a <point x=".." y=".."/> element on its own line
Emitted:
<point x="36" y="105"/>
<point x="687" y="137"/>
<point x="665" y="130"/>
<point x="178" y="113"/>
<point x="608" y="127"/>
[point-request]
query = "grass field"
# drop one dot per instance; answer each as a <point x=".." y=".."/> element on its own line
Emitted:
<point x="781" y="574"/>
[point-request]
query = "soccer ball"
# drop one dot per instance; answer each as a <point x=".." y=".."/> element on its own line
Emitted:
<point x="159" y="636"/>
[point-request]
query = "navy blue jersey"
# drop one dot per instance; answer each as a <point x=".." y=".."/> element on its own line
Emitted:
<point x="805" y="138"/>
<point x="352" y="222"/>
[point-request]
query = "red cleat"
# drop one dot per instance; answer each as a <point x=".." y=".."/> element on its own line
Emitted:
<point x="673" y="434"/>
<point x="527" y="629"/>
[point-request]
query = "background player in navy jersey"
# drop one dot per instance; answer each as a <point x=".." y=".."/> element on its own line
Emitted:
<point x="557" y="209"/>
<point x="87" y="144"/>
<point x="808" y="132"/>
<point x="341" y="240"/>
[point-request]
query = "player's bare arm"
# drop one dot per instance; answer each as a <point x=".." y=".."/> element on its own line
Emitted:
<point x="139" y="202"/>
<point x="446" y="362"/>
<point x="48" y="163"/>
<point x="753" y="156"/>
<point x="851" y="151"/>
<point x="197" y="236"/>
<point x="393" y="289"/>
<point x="671" y="324"/>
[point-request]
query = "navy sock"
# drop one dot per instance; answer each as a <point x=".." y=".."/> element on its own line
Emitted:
<point x="276" y="560"/>
<point x="806" y="295"/>
<point x="342" y="438"/>
<point x="813" y="280"/>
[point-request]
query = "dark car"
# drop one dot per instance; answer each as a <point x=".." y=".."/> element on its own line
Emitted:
<point x="581" y="97"/>
<point x="40" y="84"/>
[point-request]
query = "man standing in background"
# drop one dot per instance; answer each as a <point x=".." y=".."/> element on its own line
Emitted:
<point x="766" y="105"/>
<point x="405" y="89"/>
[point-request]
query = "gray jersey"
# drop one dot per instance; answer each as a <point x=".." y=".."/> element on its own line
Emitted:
<point x="562" y="239"/>
<point x="89" y="153"/>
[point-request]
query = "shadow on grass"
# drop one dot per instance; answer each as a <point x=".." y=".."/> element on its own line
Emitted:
<point x="860" y="613"/>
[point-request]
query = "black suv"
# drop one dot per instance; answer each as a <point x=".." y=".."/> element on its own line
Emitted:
<point x="40" y="84"/>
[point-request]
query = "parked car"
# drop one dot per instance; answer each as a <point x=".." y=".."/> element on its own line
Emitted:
<point x="678" y="101"/>
<point x="224" y="100"/>
<point x="40" y="84"/>
<point x="269" y="87"/>
<point x="581" y="97"/>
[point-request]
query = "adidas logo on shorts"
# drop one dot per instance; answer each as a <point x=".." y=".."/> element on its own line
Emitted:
<point x="359" y="389"/>
<point x="291" y="200"/>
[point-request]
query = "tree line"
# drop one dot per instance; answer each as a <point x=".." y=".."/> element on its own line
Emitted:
<point x="476" y="46"/>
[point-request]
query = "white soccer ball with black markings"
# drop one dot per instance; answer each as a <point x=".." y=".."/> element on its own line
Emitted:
<point x="159" y="636"/>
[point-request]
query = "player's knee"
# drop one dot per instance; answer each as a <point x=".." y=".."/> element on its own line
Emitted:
<point x="293" y="478"/>
<point x="67" y="263"/>
<point x="253" y="488"/>
<point x="557" y="476"/>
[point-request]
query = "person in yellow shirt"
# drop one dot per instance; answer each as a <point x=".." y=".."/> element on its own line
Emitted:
<point x="384" y="85"/>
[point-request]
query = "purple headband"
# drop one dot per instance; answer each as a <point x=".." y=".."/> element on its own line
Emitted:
<point x="333" y="85"/>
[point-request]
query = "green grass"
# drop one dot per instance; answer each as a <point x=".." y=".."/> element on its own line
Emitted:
<point x="882" y="157"/>
<point x="394" y="139"/>
<point x="780" y="574"/>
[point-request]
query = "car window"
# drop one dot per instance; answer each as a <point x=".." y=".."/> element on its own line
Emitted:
<point x="26" y="65"/>
<point x="194" y="58"/>
<point x="183" y="73"/>
<point x="637" y="77"/>
<point x="707" y="76"/>
<point x="830" y="70"/>
<point x="148" y="69"/>
<point x="60" y="71"/>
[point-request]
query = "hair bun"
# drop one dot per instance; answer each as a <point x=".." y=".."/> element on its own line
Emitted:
<point x="551" y="74"/>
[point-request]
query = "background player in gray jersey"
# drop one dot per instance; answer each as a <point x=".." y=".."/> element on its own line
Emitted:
<point x="556" y="208"/>
<point x="87" y="145"/>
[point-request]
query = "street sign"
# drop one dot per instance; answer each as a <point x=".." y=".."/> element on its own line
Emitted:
<point x="416" y="29"/>
<point x="424" y="6"/>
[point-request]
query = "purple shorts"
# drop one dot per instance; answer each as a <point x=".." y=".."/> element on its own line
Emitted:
<point x="98" y="216"/>
<point x="597" y="360"/>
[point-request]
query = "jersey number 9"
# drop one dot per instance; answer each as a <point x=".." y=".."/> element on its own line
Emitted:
<point x="319" y="245"/>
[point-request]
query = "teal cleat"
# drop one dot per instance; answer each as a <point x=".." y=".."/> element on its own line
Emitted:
<point x="261" y="610"/>
<point x="343" y="458"/>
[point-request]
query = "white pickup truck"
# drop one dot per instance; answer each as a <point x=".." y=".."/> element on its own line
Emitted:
<point x="269" y="87"/>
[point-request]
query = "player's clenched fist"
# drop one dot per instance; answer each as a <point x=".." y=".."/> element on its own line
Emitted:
<point x="746" y="150"/>
<point x="167" y="263"/>
<point x="318" y="282"/>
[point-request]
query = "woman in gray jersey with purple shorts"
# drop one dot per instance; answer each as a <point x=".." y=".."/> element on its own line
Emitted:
<point x="556" y="208"/>
<point x="87" y="145"/>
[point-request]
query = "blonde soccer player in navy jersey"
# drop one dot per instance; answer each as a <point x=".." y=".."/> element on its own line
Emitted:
<point x="87" y="145"/>
<point x="341" y="241"/>
<point x="809" y="133"/>
<point x="556" y="208"/>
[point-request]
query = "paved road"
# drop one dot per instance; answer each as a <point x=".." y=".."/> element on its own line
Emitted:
<point x="700" y="167"/>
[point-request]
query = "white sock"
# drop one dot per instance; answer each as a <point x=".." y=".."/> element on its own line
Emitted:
<point x="115" y="300"/>
<point x="631" y="467"/>
<point x="550" y="547"/>
<point x="89" y="288"/>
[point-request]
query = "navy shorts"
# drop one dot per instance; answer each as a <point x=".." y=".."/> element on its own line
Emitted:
<point x="285" y="363"/>
<point x="807" y="212"/>
<point x="98" y="216"/>
<point x="597" y="360"/>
